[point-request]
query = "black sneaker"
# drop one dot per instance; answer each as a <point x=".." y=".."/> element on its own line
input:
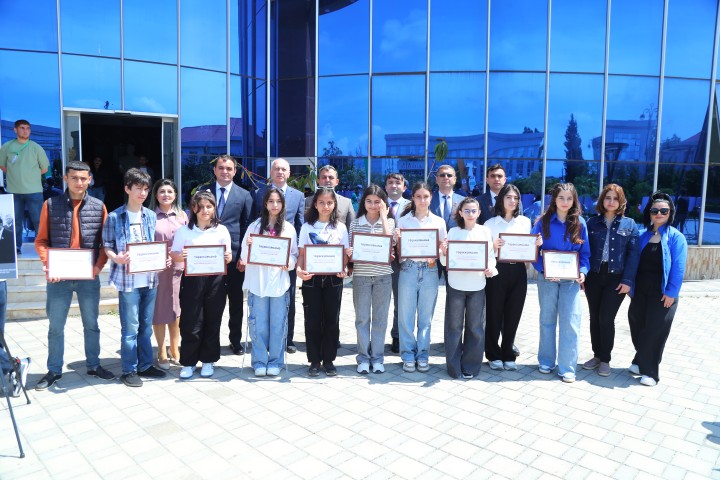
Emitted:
<point x="395" y="347"/>
<point x="314" y="370"/>
<point x="101" y="373"/>
<point x="330" y="369"/>
<point x="47" y="381"/>
<point x="237" y="349"/>
<point x="152" y="372"/>
<point x="291" y="348"/>
<point x="131" y="379"/>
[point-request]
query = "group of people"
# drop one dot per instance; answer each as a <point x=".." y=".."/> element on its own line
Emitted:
<point x="614" y="259"/>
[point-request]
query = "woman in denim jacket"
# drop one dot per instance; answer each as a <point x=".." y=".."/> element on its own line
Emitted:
<point x="657" y="287"/>
<point x="614" y="257"/>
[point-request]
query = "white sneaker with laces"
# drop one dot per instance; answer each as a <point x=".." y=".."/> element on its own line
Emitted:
<point x="273" y="371"/>
<point x="423" y="366"/>
<point x="187" y="372"/>
<point x="260" y="371"/>
<point x="510" y="366"/>
<point x="363" y="368"/>
<point x="378" y="367"/>
<point x="207" y="370"/>
<point x="568" y="377"/>
<point x="647" y="381"/>
<point x="409" y="367"/>
<point x="496" y="364"/>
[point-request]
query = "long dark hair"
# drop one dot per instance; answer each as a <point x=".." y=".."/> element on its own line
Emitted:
<point x="572" y="221"/>
<point x="312" y="215"/>
<point x="500" y="200"/>
<point x="265" y="213"/>
<point x="371" y="189"/>
<point x="195" y="203"/>
<point x="165" y="182"/>
<point x="410" y="207"/>
<point x="658" y="197"/>
<point x="458" y="213"/>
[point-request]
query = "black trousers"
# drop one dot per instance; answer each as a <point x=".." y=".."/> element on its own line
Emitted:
<point x="650" y="324"/>
<point x="321" y="303"/>
<point x="603" y="303"/>
<point x="202" y="302"/>
<point x="505" y="299"/>
<point x="233" y="286"/>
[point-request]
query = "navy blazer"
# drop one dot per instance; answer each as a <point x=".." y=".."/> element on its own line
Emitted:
<point x="435" y="207"/>
<point x="487" y="211"/>
<point x="236" y="213"/>
<point x="294" y="206"/>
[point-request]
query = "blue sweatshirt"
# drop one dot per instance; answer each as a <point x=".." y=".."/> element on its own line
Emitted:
<point x="557" y="241"/>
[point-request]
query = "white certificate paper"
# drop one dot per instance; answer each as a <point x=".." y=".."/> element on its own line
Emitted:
<point x="147" y="257"/>
<point x="467" y="256"/>
<point x="324" y="259"/>
<point x="269" y="251"/>
<point x="519" y="247"/>
<point x="205" y="260"/>
<point x="70" y="263"/>
<point x="561" y="265"/>
<point x="371" y="248"/>
<point x="419" y="243"/>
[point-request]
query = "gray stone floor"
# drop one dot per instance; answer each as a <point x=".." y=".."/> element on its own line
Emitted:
<point x="513" y="425"/>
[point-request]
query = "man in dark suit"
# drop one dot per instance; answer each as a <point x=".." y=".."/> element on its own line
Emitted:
<point x="495" y="179"/>
<point x="328" y="177"/>
<point x="295" y="214"/>
<point x="444" y="202"/>
<point x="234" y="208"/>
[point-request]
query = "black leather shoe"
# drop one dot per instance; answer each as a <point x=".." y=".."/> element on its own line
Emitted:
<point x="291" y="348"/>
<point x="516" y="351"/>
<point x="237" y="350"/>
<point x="395" y="348"/>
<point x="47" y="381"/>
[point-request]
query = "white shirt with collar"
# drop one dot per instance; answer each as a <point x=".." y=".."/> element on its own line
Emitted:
<point x="441" y="198"/>
<point x="227" y="191"/>
<point x="282" y="189"/>
<point x="498" y="225"/>
<point x="430" y="221"/>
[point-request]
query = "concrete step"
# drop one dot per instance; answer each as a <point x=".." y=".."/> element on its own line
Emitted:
<point x="38" y="278"/>
<point x="34" y="293"/>
<point x="34" y="310"/>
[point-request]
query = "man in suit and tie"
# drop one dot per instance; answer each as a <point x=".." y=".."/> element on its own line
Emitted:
<point x="495" y="179"/>
<point x="444" y="202"/>
<point x="394" y="187"/>
<point x="234" y="209"/>
<point x="295" y="214"/>
<point x="328" y="177"/>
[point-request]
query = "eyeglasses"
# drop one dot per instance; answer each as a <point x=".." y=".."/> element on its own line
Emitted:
<point x="470" y="212"/>
<point x="661" y="211"/>
<point x="446" y="175"/>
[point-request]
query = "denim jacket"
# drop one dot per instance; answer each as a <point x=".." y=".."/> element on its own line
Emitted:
<point x="674" y="254"/>
<point x="623" y="246"/>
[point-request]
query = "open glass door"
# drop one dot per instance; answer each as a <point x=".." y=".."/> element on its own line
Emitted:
<point x="72" y="144"/>
<point x="169" y="149"/>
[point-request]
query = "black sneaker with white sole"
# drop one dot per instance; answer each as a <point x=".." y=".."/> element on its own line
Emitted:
<point x="47" y="381"/>
<point x="101" y="373"/>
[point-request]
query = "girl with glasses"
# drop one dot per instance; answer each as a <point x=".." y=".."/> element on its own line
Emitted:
<point x="657" y="287"/>
<point x="465" y="301"/>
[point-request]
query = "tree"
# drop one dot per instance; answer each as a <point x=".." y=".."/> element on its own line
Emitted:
<point x="331" y="150"/>
<point x="575" y="166"/>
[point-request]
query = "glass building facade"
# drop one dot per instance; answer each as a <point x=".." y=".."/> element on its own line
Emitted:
<point x="620" y="91"/>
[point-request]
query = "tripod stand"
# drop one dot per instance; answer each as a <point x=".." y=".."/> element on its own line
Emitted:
<point x="6" y="390"/>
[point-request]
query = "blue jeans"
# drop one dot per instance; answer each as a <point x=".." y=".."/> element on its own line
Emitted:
<point x="417" y="292"/>
<point x="371" y="297"/>
<point x="136" y="313"/>
<point x="267" y="318"/>
<point x="559" y="300"/>
<point x="59" y="297"/>
<point x="34" y="203"/>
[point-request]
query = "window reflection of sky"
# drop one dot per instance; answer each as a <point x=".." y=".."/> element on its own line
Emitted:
<point x="202" y="98"/>
<point x="203" y="34"/>
<point x="399" y="35"/>
<point x="344" y="39"/>
<point x="150" y="87"/>
<point x="150" y="31"/>
<point x="518" y="35"/>
<point x="690" y="37"/>
<point x="398" y="106"/>
<point x="91" y="27"/>
<point x="577" y="37"/>
<point x="90" y="82"/>
<point x="28" y="30"/>
<point x="636" y="36"/>
<point x="458" y="35"/>
<point x="30" y="89"/>
<point x="343" y="113"/>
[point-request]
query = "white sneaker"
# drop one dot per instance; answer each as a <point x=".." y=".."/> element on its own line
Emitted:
<point x="187" y="372"/>
<point x="378" y="367"/>
<point x="544" y="369"/>
<point x="496" y="364"/>
<point x="647" y="381"/>
<point x="568" y="377"/>
<point x="260" y="371"/>
<point x="207" y="370"/>
<point x="409" y="367"/>
<point x="273" y="371"/>
<point x="423" y="366"/>
<point x="510" y="366"/>
<point x="363" y="368"/>
<point x="634" y="369"/>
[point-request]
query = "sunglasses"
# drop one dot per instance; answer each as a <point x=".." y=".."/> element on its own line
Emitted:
<point x="661" y="211"/>
<point x="446" y="175"/>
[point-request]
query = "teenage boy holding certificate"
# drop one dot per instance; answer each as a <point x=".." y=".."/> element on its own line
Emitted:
<point x="133" y="223"/>
<point x="61" y="227"/>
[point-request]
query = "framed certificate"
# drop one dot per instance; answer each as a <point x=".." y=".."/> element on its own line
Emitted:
<point x="324" y="259"/>
<point x="519" y="247"/>
<point x="371" y="248"/>
<point x="70" y="263"/>
<point x="467" y="256"/>
<point x="147" y="257"/>
<point x="561" y="265"/>
<point x="269" y="251"/>
<point x="419" y="243"/>
<point x="205" y="260"/>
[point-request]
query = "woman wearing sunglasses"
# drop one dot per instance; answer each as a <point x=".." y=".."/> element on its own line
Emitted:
<point x="657" y="287"/>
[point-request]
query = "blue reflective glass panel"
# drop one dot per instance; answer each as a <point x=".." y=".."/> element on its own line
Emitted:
<point x="254" y="40"/>
<point x="343" y="116"/>
<point x="234" y="37"/>
<point x="293" y="39"/>
<point x="518" y="35"/>
<point x="203" y="34"/>
<point x="458" y="35"/>
<point x="711" y="220"/>
<point x="577" y="40"/>
<point x="399" y="36"/>
<point x="635" y="36"/>
<point x="344" y="39"/>
<point x="352" y="173"/>
<point x="150" y="31"/>
<point x="394" y="133"/>
<point x="29" y="25"/>
<point x="586" y="185"/>
<point x="91" y="27"/>
<point x="255" y="94"/>
<point x="150" y="87"/>
<point x="236" y="117"/>
<point x="412" y="168"/>
<point x="690" y="37"/>
<point x="91" y="82"/>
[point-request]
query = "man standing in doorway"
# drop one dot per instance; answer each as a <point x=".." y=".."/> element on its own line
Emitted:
<point x="394" y="187"/>
<point x="495" y="179"/>
<point x="295" y="214"/>
<point x="234" y="208"/>
<point x="24" y="162"/>
<point x="328" y="177"/>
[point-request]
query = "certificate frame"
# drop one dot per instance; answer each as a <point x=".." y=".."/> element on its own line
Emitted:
<point x="523" y="238"/>
<point x="367" y="256"/>
<point x="553" y="258"/>
<point x="473" y="244"/>
<point x="153" y="249"/>
<point x="269" y="240"/>
<point x="210" y="249"/>
<point x="80" y="259"/>
<point x="408" y="234"/>
<point x="311" y="250"/>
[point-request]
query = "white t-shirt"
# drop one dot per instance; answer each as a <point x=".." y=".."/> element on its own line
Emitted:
<point x="212" y="236"/>
<point x="323" y="233"/>
<point x="137" y="235"/>
<point x="430" y="221"/>
<point x="470" y="281"/>
<point x="265" y="281"/>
